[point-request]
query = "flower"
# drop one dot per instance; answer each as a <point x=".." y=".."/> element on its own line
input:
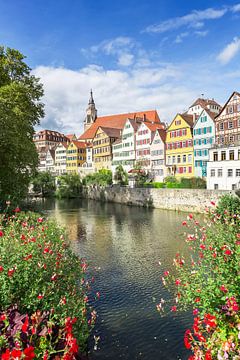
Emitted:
<point x="166" y="273"/>
<point x="1" y="268"/>
<point x="1" y="233"/>
<point x="25" y="325"/>
<point x="17" y="210"/>
<point x="223" y="288"/>
<point x="177" y="281"/>
<point x="11" y="272"/>
<point x="213" y="203"/>
<point x="184" y="223"/>
<point x="174" y="308"/>
<point x="40" y="220"/>
<point x="29" y="353"/>
<point x="195" y="311"/>
<point x="227" y="252"/>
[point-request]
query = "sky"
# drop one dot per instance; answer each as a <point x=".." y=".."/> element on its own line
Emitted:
<point x="134" y="54"/>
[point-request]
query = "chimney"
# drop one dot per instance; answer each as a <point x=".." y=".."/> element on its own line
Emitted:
<point x="144" y="117"/>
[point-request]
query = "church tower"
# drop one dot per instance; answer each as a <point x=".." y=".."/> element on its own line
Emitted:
<point x="91" y="113"/>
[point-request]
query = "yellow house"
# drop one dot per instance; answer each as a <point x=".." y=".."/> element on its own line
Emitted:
<point x="179" y="146"/>
<point x="102" y="147"/>
<point x="75" y="156"/>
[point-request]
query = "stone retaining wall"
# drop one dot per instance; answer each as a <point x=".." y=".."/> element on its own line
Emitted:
<point x="194" y="200"/>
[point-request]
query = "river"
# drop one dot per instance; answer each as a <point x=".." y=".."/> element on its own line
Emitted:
<point x="123" y="246"/>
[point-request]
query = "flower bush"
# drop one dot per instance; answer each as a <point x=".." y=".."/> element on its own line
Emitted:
<point x="43" y="294"/>
<point x="209" y="282"/>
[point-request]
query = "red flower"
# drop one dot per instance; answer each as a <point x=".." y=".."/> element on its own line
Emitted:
<point x="40" y="220"/>
<point x="11" y="272"/>
<point x="190" y="216"/>
<point x="6" y="355"/>
<point x="184" y="223"/>
<point x="40" y="296"/>
<point x="187" y="338"/>
<point x="3" y="317"/>
<point x="29" y="353"/>
<point x="174" y="308"/>
<point x="223" y="288"/>
<point x="178" y="282"/>
<point x="17" y="210"/>
<point x="16" y="354"/>
<point x="227" y="252"/>
<point x="195" y="311"/>
<point x="25" y="325"/>
<point x="45" y="355"/>
<point x="208" y="355"/>
<point x="197" y="299"/>
<point x="1" y="233"/>
<point x="213" y="203"/>
<point x="1" y="268"/>
<point x="54" y="277"/>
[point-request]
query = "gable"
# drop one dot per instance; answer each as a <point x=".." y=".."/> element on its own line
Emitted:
<point x="178" y="123"/>
<point x="233" y="100"/>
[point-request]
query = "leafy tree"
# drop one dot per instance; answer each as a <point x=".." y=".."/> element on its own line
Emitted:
<point x="44" y="183"/>
<point x="20" y="111"/>
<point x="69" y="186"/>
<point x="140" y="175"/>
<point x="121" y="175"/>
<point x="102" y="177"/>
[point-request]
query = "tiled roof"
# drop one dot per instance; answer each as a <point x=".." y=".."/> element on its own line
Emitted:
<point x="162" y="134"/>
<point x="210" y="113"/>
<point x="118" y="121"/>
<point x="65" y="144"/>
<point x="204" y="102"/>
<point x="188" y="118"/>
<point x="153" y="127"/>
<point x="79" y="144"/>
<point x="111" y="132"/>
<point x="70" y="136"/>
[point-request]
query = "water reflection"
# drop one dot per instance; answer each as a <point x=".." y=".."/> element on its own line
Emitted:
<point x="126" y="244"/>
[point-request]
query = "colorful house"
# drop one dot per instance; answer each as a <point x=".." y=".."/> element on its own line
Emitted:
<point x="102" y="147"/>
<point x="157" y="150"/>
<point x="179" y="146"/>
<point x="227" y="122"/>
<point x="76" y="156"/>
<point x="60" y="158"/>
<point x="203" y="140"/>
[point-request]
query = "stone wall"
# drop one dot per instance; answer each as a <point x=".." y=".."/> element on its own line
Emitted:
<point x="194" y="200"/>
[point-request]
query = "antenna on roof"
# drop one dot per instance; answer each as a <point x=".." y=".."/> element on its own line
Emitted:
<point x="202" y="95"/>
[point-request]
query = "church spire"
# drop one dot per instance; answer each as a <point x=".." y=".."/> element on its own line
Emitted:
<point x="91" y="113"/>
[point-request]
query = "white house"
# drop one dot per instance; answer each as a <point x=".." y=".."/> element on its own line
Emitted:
<point x="144" y="138"/>
<point x="223" y="168"/>
<point x="124" y="149"/>
<point x="87" y="167"/>
<point x="203" y="140"/>
<point x="50" y="161"/>
<point x="200" y="104"/>
<point x="157" y="155"/>
<point x="60" y="158"/>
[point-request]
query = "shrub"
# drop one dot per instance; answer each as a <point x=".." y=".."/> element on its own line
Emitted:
<point x="121" y="175"/>
<point x="103" y="177"/>
<point x="208" y="281"/>
<point x="228" y="207"/>
<point x="69" y="186"/>
<point x="43" y="295"/>
<point x="170" y="179"/>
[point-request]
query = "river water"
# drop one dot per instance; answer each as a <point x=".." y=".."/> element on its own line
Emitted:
<point x="123" y="246"/>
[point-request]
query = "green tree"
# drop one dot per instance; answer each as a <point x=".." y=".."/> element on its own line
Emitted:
<point x="121" y="175"/>
<point x="44" y="183"/>
<point x="69" y="186"/>
<point x="20" y="111"/>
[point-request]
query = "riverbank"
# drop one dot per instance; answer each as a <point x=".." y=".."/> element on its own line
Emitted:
<point x="194" y="200"/>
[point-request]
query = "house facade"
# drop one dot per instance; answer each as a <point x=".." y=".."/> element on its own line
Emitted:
<point x="228" y="122"/>
<point x="60" y="158"/>
<point x="201" y="104"/>
<point x="124" y="149"/>
<point x="144" y="137"/>
<point x="50" y="161"/>
<point x="157" y="155"/>
<point x="179" y="146"/>
<point x="102" y="147"/>
<point x="75" y="156"/>
<point x="223" y="168"/>
<point x="203" y="140"/>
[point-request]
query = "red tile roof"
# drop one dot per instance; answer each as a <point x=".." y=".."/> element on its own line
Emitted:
<point x="111" y="132"/>
<point x="162" y="134"/>
<point x="118" y="121"/>
<point x="79" y="144"/>
<point x="71" y="136"/>
<point x="188" y="118"/>
<point x="204" y="102"/>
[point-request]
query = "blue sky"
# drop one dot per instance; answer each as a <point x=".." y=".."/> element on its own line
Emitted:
<point x="136" y="55"/>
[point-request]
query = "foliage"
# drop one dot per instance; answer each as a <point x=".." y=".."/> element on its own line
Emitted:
<point x="20" y="110"/>
<point x="209" y="281"/>
<point x="170" y="179"/>
<point x="121" y="175"/>
<point x="44" y="183"/>
<point x="228" y="206"/>
<point x="69" y="186"/>
<point x="185" y="183"/>
<point x="102" y="177"/>
<point x="155" y="185"/>
<point x="43" y="295"/>
<point x="141" y="175"/>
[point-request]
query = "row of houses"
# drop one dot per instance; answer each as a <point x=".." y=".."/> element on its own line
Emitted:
<point x="204" y="141"/>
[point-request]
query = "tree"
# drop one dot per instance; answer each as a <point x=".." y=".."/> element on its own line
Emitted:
<point x="20" y="111"/>
<point x="69" y="186"/>
<point x="120" y="175"/>
<point x="44" y="183"/>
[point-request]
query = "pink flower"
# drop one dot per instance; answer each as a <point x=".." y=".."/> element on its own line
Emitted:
<point x="166" y="273"/>
<point x="184" y="223"/>
<point x="40" y="220"/>
<point x="174" y="308"/>
<point x="195" y="311"/>
<point x="178" y="282"/>
<point x="1" y="233"/>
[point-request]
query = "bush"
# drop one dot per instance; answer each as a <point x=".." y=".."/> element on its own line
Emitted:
<point x="208" y="281"/>
<point x="170" y="179"/>
<point x="121" y="175"/>
<point x="228" y="207"/>
<point x="102" y="177"/>
<point x="69" y="186"/>
<point x="43" y="301"/>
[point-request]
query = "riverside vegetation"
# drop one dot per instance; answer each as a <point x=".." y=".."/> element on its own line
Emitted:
<point x="209" y="282"/>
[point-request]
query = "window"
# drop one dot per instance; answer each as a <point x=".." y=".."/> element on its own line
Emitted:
<point x="230" y="109"/>
<point x="231" y="155"/>
<point x="231" y="138"/>
<point x="234" y="186"/>
<point x="169" y="160"/>
<point x="223" y="155"/>
<point x="215" y="186"/>
<point x="212" y="173"/>
<point x="190" y="169"/>
<point x="178" y="159"/>
<point x="215" y="156"/>
<point x="237" y="172"/>
<point x="221" y="126"/>
<point x="174" y="159"/>
<point x="230" y="124"/>
<point x="189" y="158"/>
<point x="220" y="173"/>
<point x="230" y="172"/>
<point x="184" y="159"/>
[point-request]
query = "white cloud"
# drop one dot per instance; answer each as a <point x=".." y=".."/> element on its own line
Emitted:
<point x="115" y="91"/>
<point x="231" y="50"/>
<point x="194" y="19"/>
<point x="180" y="37"/>
<point x="125" y="59"/>
<point x="235" y="8"/>
<point x="202" y="33"/>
